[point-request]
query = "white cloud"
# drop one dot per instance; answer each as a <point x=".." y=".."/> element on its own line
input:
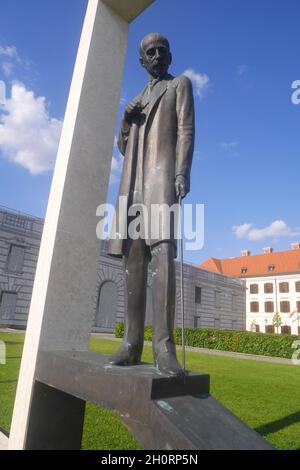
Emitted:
<point x="277" y="229"/>
<point x="7" y="68"/>
<point x="242" y="69"/>
<point x="9" y="51"/>
<point x="29" y="137"/>
<point x="241" y="231"/>
<point x="11" y="57"/>
<point x="199" y="80"/>
<point x="12" y="64"/>
<point x="229" y="145"/>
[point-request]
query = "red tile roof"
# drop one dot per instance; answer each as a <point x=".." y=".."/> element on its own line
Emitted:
<point x="284" y="262"/>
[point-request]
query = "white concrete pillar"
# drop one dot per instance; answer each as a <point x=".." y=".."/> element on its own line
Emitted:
<point x="60" y="315"/>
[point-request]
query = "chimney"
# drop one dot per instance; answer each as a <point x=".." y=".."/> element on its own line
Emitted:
<point x="246" y="253"/>
<point x="268" y="250"/>
<point x="295" y="246"/>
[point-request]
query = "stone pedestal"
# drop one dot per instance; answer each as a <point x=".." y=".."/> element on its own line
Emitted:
<point x="162" y="413"/>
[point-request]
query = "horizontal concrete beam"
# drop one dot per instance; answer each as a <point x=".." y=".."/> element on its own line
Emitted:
<point x="128" y="9"/>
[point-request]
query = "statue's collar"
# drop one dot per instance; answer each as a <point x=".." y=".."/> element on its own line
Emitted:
<point x="153" y="81"/>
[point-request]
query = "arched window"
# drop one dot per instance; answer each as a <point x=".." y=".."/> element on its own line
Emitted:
<point x="107" y="306"/>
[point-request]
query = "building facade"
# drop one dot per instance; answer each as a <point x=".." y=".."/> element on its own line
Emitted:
<point x="20" y="237"/>
<point x="272" y="285"/>
<point x="212" y="300"/>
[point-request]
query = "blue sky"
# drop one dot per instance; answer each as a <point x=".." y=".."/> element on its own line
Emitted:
<point x="243" y="54"/>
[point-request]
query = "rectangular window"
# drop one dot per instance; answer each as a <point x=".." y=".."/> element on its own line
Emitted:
<point x="285" y="330"/>
<point x="254" y="289"/>
<point x="269" y="288"/>
<point x="254" y="307"/>
<point x="284" y="287"/>
<point x="15" y="259"/>
<point x="298" y="306"/>
<point x="270" y="329"/>
<point x="298" y="286"/>
<point x="269" y="307"/>
<point x="8" y="305"/>
<point x="285" y="307"/>
<point x="15" y="220"/>
<point x="217" y="299"/>
<point x="198" y="295"/>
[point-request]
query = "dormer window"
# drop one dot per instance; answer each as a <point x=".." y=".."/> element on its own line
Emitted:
<point x="244" y="270"/>
<point x="271" y="268"/>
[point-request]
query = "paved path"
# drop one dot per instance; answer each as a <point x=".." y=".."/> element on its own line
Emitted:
<point x="3" y="442"/>
<point x="214" y="352"/>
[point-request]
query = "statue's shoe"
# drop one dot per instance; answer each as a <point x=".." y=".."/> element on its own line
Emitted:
<point x="125" y="356"/>
<point x="167" y="364"/>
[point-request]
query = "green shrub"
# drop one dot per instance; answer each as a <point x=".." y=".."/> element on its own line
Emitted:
<point x="224" y="340"/>
<point x="119" y="330"/>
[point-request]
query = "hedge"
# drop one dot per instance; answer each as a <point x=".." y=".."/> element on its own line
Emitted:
<point x="236" y="341"/>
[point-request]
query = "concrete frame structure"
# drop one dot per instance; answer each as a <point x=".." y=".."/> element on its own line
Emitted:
<point x="60" y="316"/>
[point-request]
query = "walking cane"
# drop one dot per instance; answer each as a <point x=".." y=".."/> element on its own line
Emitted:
<point x="181" y="285"/>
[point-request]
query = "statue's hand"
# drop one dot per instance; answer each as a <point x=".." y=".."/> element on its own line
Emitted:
<point x="181" y="186"/>
<point x="133" y="111"/>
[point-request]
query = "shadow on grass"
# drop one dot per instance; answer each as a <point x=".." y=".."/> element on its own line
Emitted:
<point x="276" y="426"/>
<point x="8" y="381"/>
<point x="4" y="432"/>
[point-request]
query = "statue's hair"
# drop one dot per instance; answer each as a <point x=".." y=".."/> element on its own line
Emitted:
<point x="153" y="37"/>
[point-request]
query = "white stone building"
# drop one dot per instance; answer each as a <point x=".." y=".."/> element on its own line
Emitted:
<point x="273" y="286"/>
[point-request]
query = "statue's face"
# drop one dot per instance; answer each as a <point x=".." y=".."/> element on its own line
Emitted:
<point x="156" y="58"/>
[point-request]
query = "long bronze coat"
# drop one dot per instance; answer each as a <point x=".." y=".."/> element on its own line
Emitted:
<point x="167" y="142"/>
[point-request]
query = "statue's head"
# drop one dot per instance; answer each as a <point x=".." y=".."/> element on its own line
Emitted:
<point x="155" y="55"/>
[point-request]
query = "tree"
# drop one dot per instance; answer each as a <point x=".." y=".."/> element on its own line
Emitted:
<point x="277" y="322"/>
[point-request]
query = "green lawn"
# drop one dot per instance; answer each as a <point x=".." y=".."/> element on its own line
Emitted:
<point x="265" y="396"/>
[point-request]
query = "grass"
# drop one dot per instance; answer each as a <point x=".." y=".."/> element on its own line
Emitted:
<point x="264" y="395"/>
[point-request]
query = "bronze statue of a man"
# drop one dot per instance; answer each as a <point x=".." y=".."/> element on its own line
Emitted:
<point x="157" y="140"/>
